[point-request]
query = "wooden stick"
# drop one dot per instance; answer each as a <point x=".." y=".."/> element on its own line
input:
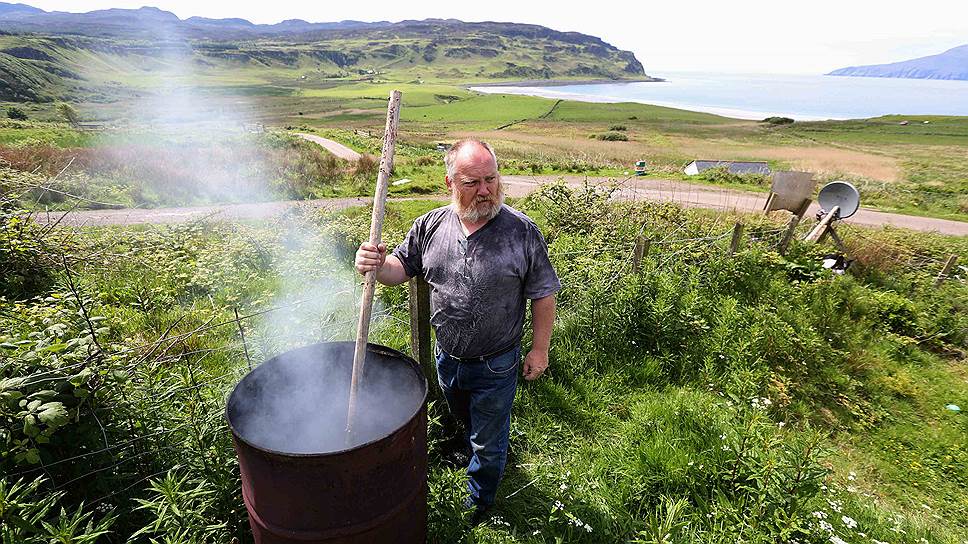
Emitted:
<point x="946" y="270"/>
<point x="245" y="346"/>
<point x="788" y="234"/>
<point x="640" y="250"/>
<point x="820" y="230"/>
<point x="737" y="237"/>
<point x="376" y="232"/>
<point x="837" y="241"/>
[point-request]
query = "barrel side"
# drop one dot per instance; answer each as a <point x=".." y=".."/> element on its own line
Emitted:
<point x="373" y="493"/>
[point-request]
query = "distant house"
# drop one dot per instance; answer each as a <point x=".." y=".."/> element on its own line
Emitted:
<point x="734" y="167"/>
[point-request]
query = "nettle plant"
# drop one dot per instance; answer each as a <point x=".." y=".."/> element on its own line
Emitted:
<point x="49" y="375"/>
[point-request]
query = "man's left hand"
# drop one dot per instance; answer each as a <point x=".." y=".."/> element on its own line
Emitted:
<point x="535" y="363"/>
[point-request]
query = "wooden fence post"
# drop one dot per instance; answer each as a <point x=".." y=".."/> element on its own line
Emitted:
<point x="788" y="234"/>
<point x="641" y="250"/>
<point x="737" y="236"/>
<point x="946" y="270"/>
<point x="420" y="331"/>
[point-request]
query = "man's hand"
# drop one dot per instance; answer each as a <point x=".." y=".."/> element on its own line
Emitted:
<point x="535" y="363"/>
<point x="370" y="257"/>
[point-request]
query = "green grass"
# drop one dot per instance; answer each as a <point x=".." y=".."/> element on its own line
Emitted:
<point x="59" y="135"/>
<point x="651" y="417"/>
<point x="483" y="112"/>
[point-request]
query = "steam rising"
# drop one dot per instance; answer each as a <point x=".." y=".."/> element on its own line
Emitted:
<point x="199" y="140"/>
<point x="296" y="403"/>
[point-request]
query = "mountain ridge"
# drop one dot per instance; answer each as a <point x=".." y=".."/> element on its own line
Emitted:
<point x="951" y="64"/>
<point x="49" y="55"/>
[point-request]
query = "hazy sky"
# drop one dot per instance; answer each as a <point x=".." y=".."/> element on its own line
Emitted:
<point x="738" y="36"/>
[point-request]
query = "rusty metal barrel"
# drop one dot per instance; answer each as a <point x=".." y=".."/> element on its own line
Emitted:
<point x="303" y="480"/>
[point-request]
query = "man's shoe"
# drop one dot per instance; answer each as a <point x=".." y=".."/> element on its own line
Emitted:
<point x="479" y="512"/>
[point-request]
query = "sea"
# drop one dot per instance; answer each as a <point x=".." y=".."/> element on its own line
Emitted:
<point x="756" y="96"/>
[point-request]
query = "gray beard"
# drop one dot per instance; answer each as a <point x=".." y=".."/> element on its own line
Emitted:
<point x="477" y="213"/>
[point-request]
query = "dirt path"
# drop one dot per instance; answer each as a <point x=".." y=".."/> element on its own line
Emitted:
<point x="685" y="194"/>
<point x="333" y="147"/>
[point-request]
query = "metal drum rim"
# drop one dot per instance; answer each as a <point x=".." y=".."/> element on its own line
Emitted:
<point x="380" y="349"/>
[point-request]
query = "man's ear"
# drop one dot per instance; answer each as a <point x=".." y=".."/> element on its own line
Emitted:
<point x="448" y="182"/>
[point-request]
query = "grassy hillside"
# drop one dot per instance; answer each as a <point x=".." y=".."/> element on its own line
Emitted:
<point x="37" y="68"/>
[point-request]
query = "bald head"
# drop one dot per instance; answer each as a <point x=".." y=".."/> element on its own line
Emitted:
<point x="469" y="152"/>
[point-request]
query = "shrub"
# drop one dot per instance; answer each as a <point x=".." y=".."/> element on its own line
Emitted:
<point x="68" y="113"/>
<point x="16" y="113"/>
<point x="427" y="160"/>
<point x="621" y="128"/>
<point x="721" y="174"/>
<point x="778" y="121"/>
<point x="613" y="137"/>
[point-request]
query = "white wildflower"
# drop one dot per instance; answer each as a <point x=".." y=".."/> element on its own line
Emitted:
<point x="834" y="539"/>
<point x="852" y="476"/>
<point x="820" y="514"/>
<point x="849" y="522"/>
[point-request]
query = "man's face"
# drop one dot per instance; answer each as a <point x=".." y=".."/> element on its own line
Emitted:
<point x="476" y="188"/>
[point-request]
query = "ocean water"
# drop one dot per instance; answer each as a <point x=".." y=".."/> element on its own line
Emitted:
<point x="755" y="96"/>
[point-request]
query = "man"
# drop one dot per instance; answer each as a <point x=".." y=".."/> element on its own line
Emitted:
<point x="483" y="261"/>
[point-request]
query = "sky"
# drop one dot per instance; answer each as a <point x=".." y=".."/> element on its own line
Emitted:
<point x="679" y="35"/>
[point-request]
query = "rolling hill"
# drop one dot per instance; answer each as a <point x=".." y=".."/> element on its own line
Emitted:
<point x="952" y="64"/>
<point x="100" y="55"/>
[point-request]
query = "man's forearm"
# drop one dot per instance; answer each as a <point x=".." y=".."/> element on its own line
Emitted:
<point x="392" y="272"/>
<point x="542" y="321"/>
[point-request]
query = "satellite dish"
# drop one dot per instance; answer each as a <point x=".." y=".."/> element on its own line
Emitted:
<point x="839" y="193"/>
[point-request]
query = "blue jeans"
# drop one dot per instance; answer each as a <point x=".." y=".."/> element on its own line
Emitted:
<point x="480" y="394"/>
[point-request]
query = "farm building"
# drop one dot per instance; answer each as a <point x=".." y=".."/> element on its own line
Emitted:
<point x="734" y="167"/>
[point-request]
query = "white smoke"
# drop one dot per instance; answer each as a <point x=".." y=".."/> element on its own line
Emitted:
<point x="317" y="292"/>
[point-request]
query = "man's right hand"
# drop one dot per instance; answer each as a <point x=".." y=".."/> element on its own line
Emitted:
<point x="370" y="257"/>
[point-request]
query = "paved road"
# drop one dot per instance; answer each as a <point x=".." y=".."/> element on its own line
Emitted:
<point x="332" y="146"/>
<point x="705" y="196"/>
<point x="685" y="194"/>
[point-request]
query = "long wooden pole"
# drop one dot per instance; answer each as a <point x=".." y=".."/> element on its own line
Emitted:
<point x="376" y="232"/>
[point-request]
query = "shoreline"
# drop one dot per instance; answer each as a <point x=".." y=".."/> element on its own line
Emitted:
<point x="732" y="113"/>
<point x="559" y="82"/>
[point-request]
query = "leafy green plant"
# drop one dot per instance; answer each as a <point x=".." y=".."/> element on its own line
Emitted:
<point x="28" y="516"/>
<point x="612" y="137"/>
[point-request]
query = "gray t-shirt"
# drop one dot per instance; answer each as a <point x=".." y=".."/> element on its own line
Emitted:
<point x="480" y="283"/>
